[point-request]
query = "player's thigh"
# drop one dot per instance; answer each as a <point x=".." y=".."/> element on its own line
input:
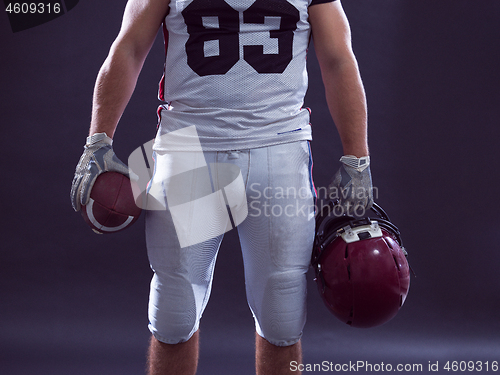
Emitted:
<point x="277" y="238"/>
<point x="183" y="274"/>
<point x="281" y="197"/>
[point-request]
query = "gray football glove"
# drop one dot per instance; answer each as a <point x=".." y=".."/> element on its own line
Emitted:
<point x="352" y="185"/>
<point x="98" y="157"/>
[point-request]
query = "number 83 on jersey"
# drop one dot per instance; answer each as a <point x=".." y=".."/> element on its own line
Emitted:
<point x="213" y="46"/>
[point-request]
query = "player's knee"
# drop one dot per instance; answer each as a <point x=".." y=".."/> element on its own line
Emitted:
<point x="282" y="316"/>
<point x="172" y="326"/>
<point x="283" y="338"/>
<point x="170" y="333"/>
<point x="172" y="311"/>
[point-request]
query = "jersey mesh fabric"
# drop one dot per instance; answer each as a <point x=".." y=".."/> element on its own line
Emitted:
<point x="236" y="69"/>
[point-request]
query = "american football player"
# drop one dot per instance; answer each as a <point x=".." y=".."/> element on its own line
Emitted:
<point x="236" y="71"/>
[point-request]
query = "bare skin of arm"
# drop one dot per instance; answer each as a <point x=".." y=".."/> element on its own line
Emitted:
<point x="343" y="86"/>
<point x="118" y="75"/>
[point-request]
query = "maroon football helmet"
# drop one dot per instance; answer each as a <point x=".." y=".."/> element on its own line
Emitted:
<point x="361" y="269"/>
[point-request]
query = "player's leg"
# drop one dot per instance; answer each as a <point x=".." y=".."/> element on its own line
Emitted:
<point x="275" y="360"/>
<point x="276" y="240"/>
<point x="178" y="298"/>
<point x="182" y="279"/>
<point x="173" y="358"/>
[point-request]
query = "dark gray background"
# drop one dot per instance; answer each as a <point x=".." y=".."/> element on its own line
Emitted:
<point x="75" y="302"/>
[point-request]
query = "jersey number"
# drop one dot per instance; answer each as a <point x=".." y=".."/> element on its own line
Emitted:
<point x="216" y="21"/>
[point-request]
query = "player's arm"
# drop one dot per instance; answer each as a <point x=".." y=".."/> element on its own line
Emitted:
<point x="118" y="75"/>
<point x="114" y="87"/>
<point x="345" y="95"/>
<point x="343" y="87"/>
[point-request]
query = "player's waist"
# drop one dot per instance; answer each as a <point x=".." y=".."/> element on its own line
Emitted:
<point x="218" y="129"/>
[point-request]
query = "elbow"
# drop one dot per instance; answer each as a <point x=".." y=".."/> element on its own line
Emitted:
<point x="338" y="62"/>
<point x="125" y="55"/>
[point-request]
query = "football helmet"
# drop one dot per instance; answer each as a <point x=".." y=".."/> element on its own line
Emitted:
<point x="361" y="269"/>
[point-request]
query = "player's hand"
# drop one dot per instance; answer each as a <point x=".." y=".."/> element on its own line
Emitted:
<point x="98" y="157"/>
<point x="352" y="185"/>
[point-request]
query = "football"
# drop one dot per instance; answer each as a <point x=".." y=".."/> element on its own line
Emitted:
<point x="112" y="206"/>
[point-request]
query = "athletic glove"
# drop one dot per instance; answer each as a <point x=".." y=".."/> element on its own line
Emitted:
<point x="352" y="185"/>
<point x="98" y="157"/>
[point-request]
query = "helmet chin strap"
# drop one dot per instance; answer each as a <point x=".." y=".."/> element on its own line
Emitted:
<point x="360" y="232"/>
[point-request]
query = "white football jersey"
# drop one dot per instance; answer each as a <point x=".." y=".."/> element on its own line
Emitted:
<point x="236" y="70"/>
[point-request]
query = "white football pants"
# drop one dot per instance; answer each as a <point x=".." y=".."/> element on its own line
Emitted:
<point x="276" y="235"/>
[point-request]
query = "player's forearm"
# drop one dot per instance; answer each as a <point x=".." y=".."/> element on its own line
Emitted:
<point x="347" y="103"/>
<point x="113" y="89"/>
